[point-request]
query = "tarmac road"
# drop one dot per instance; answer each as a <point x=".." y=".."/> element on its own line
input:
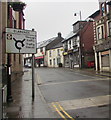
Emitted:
<point x="74" y="94"/>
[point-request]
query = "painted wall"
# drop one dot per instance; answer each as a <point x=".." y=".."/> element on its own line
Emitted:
<point x="54" y="58"/>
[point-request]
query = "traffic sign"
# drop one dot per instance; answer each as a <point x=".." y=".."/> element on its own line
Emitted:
<point x="20" y="41"/>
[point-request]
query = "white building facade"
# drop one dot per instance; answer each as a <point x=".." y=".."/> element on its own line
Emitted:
<point x="55" y="57"/>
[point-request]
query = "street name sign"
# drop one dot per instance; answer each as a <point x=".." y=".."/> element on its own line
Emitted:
<point x="20" y="41"/>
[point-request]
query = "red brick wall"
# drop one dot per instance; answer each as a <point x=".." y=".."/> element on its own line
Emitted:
<point x="87" y="36"/>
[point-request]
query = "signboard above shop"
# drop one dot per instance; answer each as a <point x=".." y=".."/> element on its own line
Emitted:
<point x="20" y="41"/>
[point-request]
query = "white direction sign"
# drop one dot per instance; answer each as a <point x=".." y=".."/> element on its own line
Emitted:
<point x="20" y="41"/>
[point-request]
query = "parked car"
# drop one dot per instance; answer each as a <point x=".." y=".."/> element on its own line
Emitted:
<point x="28" y="65"/>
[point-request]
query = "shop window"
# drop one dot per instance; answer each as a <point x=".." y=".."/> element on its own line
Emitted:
<point x="105" y="60"/>
<point x="58" y="60"/>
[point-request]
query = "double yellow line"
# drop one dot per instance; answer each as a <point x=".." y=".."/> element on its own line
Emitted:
<point x="59" y="108"/>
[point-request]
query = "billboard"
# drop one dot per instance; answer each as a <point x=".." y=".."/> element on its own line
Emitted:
<point x="20" y="41"/>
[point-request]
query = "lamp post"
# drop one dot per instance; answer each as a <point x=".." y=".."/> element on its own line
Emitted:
<point x="80" y="34"/>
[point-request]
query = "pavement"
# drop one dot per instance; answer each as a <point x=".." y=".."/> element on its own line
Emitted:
<point x="24" y="107"/>
<point x="92" y="71"/>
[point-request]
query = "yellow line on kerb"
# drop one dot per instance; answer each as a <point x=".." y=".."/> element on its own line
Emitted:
<point x="59" y="111"/>
<point x="65" y="111"/>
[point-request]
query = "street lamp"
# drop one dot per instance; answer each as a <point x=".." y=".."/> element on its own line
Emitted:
<point x="75" y="14"/>
<point x="80" y="52"/>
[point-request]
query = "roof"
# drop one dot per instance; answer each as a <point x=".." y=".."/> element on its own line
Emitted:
<point x="95" y="14"/>
<point x="58" y="45"/>
<point x="45" y="43"/>
<point x="70" y="35"/>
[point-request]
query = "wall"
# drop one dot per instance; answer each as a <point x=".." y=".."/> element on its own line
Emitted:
<point x="39" y="53"/>
<point x="54" y="55"/>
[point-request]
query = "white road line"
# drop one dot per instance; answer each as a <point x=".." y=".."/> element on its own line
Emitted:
<point x="76" y="81"/>
<point x="85" y="102"/>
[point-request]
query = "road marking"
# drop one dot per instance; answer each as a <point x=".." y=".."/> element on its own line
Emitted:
<point x="65" y="111"/>
<point x="59" y="111"/>
<point x="85" y="102"/>
<point x="39" y="81"/>
<point x="76" y="81"/>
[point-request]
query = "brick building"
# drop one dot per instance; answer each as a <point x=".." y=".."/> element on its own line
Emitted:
<point x="102" y="46"/>
<point x="78" y="46"/>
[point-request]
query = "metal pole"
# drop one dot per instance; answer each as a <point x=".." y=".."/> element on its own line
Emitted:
<point x="33" y="76"/>
<point x="9" y="93"/>
<point x="80" y="35"/>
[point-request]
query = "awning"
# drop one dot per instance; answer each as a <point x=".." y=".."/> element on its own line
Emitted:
<point x="40" y="57"/>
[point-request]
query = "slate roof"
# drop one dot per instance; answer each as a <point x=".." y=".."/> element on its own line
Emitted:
<point x="58" y="45"/>
<point x="45" y="43"/>
<point x="70" y="35"/>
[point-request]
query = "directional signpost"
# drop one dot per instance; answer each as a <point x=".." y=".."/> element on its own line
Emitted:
<point x="20" y="41"/>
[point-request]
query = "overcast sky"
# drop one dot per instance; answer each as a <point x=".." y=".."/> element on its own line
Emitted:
<point x="49" y="18"/>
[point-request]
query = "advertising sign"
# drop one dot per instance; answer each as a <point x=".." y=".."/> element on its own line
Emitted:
<point x="20" y="41"/>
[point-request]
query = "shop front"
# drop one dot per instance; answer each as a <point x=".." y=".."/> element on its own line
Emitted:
<point x="39" y="61"/>
<point x="103" y="56"/>
<point x="66" y="59"/>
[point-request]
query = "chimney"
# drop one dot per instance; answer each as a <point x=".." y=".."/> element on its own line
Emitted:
<point x="59" y="34"/>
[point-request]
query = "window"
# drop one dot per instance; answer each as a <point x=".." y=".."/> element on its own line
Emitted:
<point x="50" y="62"/>
<point x="49" y="53"/>
<point x="58" y="52"/>
<point x="98" y="33"/>
<point x="65" y="47"/>
<point x="70" y="44"/>
<point x="41" y="49"/>
<point x="109" y="26"/>
<point x="102" y="32"/>
<point x="58" y="60"/>
<point x="107" y="8"/>
<point x="103" y="9"/>
<point x="54" y="61"/>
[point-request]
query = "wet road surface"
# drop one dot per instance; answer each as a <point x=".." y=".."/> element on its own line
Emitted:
<point x="79" y="95"/>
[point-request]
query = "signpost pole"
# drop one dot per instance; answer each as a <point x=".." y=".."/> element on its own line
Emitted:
<point x="9" y="93"/>
<point x="33" y="74"/>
